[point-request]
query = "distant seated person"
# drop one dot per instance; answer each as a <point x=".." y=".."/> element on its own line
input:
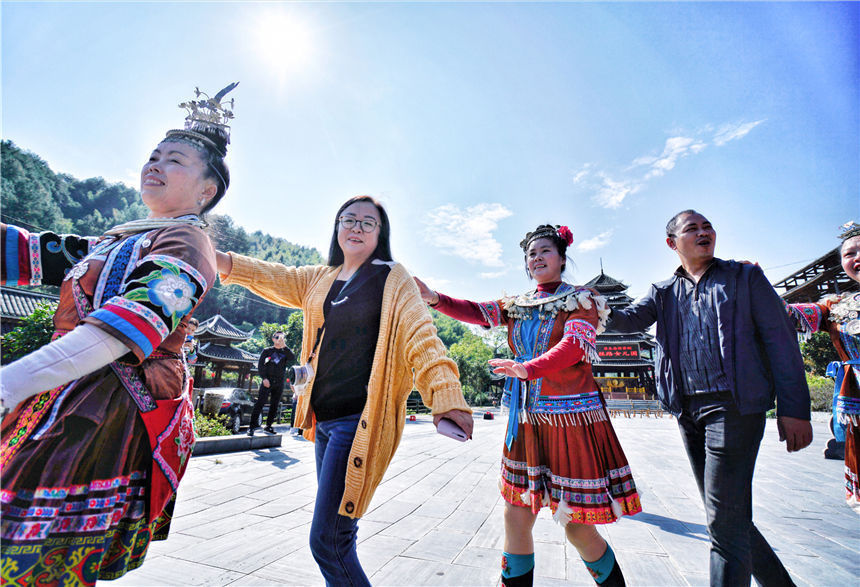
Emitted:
<point x="190" y="345"/>
<point x="272" y="368"/>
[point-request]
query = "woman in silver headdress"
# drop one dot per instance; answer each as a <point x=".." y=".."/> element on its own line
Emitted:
<point x="100" y="427"/>
<point x="840" y="317"/>
<point x="560" y="449"/>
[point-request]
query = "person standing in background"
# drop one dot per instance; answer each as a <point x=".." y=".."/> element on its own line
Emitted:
<point x="272" y="368"/>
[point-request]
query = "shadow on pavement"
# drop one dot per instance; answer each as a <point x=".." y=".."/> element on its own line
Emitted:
<point x="673" y="526"/>
<point x="275" y="456"/>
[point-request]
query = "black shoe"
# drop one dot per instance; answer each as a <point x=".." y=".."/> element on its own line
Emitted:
<point x="270" y="430"/>
<point x="524" y="580"/>
<point x="615" y="578"/>
<point x="251" y="431"/>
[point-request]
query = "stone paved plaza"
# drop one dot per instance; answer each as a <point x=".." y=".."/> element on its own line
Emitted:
<point x="243" y="518"/>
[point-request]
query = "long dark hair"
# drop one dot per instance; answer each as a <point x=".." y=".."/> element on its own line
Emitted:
<point x="383" y="245"/>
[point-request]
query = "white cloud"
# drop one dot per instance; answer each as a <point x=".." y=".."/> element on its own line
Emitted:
<point x="675" y="148"/>
<point x="611" y="193"/>
<point x="595" y="242"/>
<point x="583" y="173"/>
<point x="468" y="233"/>
<point x="610" y="189"/>
<point x="730" y="132"/>
<point x="493" y="274"/>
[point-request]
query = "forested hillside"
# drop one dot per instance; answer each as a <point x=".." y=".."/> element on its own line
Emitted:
<point x="37" y="198"/>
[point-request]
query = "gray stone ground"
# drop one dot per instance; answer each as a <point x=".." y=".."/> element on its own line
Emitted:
<point x="243" y="518"/>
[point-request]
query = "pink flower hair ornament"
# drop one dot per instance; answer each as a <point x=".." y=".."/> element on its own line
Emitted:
<point x="565" y="234"/>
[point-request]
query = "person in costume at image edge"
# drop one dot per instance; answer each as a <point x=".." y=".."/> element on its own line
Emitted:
<point x="839" y="316"/>
<point x="725" y="350"/>
<point x="367" y="336"/>
<point x="101" y="425"/>
<point x="560" y="448"/>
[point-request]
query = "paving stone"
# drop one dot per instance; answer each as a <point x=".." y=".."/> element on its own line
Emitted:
<point x="174" y="571"/>
<point x="437" y="517"/>
<point x="438" y="545"/>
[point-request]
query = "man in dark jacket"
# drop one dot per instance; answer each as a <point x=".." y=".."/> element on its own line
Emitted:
<point x="272" y="368"/>
<point x="725" y="351"/>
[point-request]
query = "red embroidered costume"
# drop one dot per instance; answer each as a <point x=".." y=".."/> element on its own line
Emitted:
<point x="839" y="318"/>
<point x="561" y="450"/>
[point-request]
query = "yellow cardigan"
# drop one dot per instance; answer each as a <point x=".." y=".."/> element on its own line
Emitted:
<point x="407" y="343"/>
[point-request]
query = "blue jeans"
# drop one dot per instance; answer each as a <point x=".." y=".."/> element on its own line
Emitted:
<point x="333" y="536"/>
<point x="722" y="446"/>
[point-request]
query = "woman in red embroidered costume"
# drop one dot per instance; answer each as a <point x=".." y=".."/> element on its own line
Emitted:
<point x="560" y="449"/>
<point x="101" y="424"/>
<point x="838" y="315"/>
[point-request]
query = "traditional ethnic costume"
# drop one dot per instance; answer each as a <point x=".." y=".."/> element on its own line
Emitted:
<point x="838" y="316"/>
<point x="89" y="467"/>
<point x="560" y="448"/>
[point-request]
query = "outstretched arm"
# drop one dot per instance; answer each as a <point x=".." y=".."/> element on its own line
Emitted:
<point x="462" y="310"/>
<point x="85" y="349"/>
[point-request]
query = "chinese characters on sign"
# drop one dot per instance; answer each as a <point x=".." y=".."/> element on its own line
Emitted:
<point x="618" y="351"/>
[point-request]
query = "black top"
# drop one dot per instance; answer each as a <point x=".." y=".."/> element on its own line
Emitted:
<point x="272" y="364"/>
<point x="347" y="348"/>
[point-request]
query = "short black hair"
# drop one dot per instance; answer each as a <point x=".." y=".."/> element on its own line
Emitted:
<point x="672" y="225"/>
<point x="383" y="244"/>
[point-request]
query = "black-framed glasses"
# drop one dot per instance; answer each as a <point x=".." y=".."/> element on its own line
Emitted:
<point x="367" y="225"/>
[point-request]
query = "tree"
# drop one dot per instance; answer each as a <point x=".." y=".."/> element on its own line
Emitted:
<point x="35" y="332"/>
<point x="817" y="352"/>
<point x="471" y="354"/>
<point x="449" y="330"/>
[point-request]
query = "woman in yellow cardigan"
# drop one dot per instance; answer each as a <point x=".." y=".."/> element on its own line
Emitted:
<point x="366" y="334"/>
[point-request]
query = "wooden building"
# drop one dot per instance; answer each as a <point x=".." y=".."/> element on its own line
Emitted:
<point x="18" y="303"/>
<point x="821" y="277"/>
<point x="215" y="338"/>
<point x="626" y="366"/>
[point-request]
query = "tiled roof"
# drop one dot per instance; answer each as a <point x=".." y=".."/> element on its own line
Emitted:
<point x="220" y="352"/>
<point x="604" y="283"/>
<point x="626" y="363"/>
<point x="219" y="327"/>
<point x="18" y="303"/>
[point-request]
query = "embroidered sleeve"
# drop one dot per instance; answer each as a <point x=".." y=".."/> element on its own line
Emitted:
<point x="578" y="343"/>
<point x="486" y="314"/>
<point x="584" y="335"/>
<point x="160" y="289"/>
<point x="806" y="318"/>
<point x="39" y="259"/>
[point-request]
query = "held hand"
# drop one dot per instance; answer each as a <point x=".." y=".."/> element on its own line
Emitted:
<point x="266" y="383"/>
<point x="796" y="433"/>
<point x="428" y="295"/>
<point x="459" y="417"/>
<point x="509" y="368"/>
<point x="224" y="262"/>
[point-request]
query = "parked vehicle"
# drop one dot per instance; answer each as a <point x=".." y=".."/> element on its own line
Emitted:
<point x="238" y="404"/>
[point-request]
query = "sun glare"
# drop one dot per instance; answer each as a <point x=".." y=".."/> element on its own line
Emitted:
<point x="284" y="43"/>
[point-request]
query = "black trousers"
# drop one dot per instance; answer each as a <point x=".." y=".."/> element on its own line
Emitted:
<point x="274" y="392"/>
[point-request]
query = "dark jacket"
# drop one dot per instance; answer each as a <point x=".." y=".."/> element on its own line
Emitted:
<point x="758" y="346"/>
<point x="269" y="369"/>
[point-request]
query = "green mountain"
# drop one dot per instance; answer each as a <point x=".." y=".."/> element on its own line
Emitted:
<point x="36" y="198"/>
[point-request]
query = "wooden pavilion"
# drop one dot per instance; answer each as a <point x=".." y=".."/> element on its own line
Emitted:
<point x="215" y="337"/>
<point x="626" y="366"/>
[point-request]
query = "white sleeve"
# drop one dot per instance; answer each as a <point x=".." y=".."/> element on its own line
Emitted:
<point x="85" y="349"/>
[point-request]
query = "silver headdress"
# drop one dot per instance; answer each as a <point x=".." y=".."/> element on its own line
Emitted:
<point x="206" y="123"/>
<point x="849" y="230"/>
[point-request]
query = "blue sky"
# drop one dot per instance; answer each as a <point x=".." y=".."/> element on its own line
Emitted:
<point x="473" y="123"/>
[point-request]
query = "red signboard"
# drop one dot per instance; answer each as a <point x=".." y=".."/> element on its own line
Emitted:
<point x="618" y="351"/>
